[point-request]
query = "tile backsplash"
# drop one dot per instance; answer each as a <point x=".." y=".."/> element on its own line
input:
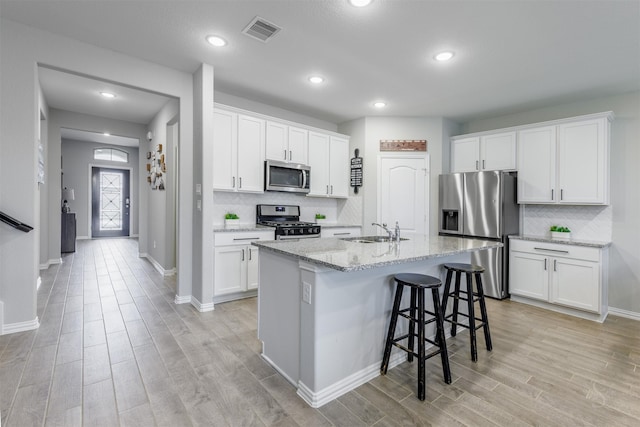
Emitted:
<point x="585" y="222"/>
<point x="244" y="205"/>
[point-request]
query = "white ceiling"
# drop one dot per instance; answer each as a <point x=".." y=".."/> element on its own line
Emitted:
<point x="510" y="55"/>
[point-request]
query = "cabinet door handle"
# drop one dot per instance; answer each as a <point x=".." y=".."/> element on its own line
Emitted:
<point x="285" y="154"/>
<point x="561" y="194"/>
<point x="484" y="164"/>
<point x="327" y="189"/>
<point x="552" y="194"/>
<point x="545" y="264"/>
<point x="240" y="182"/>
<point x="551" y="250"/>
<point x="555" y="264"/>
<point x="249" y="251"/>
<point x="243" y="255"/>
<point x="234" y="183"/>
<point x="476" y="165"/>
<point x="290" y="157"/>
<point x="332" y="189"/>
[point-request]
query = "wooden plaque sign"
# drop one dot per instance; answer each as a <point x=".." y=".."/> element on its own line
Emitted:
<point x="403" y="145"/>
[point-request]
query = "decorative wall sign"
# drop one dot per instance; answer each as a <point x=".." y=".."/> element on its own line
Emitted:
<point x="356" y="171"/>
<point x="403" y="145"/>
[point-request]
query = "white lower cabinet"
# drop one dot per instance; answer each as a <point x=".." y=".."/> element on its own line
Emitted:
<point x="341" y="232"/>
<point x="562" y="275"/>
<point x="236" y="264"/>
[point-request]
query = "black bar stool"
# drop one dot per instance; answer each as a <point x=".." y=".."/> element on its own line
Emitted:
<point x="471" y="298"/>
<point x="416" y="315"/>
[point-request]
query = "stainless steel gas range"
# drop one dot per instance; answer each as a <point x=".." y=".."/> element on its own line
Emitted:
<point x="286" y="220"/>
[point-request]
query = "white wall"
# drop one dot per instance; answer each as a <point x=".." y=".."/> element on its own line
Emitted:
<point x="23" y="48"/>
<point x="624" y="268"/>
<point x="159" y="219"/>
<point x="374" y="129"/>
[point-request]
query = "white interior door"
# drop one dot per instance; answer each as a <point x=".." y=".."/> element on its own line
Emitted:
<point x="403" y="192"/>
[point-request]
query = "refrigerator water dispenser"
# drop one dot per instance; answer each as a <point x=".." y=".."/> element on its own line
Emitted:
<point x="450" y="219"/>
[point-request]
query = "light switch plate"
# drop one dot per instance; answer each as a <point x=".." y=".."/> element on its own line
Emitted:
<point x="306" y="293"/>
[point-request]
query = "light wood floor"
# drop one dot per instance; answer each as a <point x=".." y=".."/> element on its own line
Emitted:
<point x="113" y="349"/>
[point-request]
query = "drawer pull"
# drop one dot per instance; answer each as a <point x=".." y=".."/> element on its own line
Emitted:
<point x="552" y="250"/>
<point x="245" y="238"/>
<point x="341" y="234"/>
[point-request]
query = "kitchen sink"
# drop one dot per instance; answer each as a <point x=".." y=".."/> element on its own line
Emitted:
<point x="371" y="239"/>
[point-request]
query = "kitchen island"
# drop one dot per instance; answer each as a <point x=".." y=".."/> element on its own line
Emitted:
<point x="324" y="305"/>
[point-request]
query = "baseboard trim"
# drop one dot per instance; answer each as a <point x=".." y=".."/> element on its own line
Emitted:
<point x="624" y="313"/>
<point x="335" y="390"/>
<point x="160" y="269"/>
<point x="200" y="306"/>
<point x="182" y="300"/>
<point x="12" y="328"/>
<point x="49" y="263"/>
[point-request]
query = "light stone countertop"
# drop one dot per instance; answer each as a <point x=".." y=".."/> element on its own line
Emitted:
<point x="574" y="242"/>
<point x="220" y="228"/>
<point x="343" y="255"/>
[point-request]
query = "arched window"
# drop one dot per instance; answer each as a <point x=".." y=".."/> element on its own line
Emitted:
<point x="111" y="154"/>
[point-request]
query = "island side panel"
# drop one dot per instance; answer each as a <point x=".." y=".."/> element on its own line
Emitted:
<point x="279" y="313"/>
<point x="343" y="329"/>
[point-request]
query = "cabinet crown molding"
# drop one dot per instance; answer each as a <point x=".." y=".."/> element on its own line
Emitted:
<point x="609" y="115"/>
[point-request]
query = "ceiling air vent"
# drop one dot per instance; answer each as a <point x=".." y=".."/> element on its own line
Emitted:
<point x="261" y="29"/>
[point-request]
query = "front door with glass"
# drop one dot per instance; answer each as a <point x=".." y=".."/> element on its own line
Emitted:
<point x="110" y="202"/>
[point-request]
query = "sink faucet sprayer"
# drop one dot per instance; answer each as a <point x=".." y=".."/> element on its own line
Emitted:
<point x="392" y="236"/>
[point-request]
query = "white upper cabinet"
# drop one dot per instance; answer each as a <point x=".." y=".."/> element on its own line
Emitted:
<point x="238" y="152"/>
<point x="225" y="149"/>
<point x="465" y="154"/>
<point x="537" y="165"/>
<point x="486" y="152"/>
<point x="565" y="164"/>
<point x="319" y="162"/>
<point x="498" y="152"/>
<point x="286" y="143"/>
<point x="583" y="162"/>
<point x="250" y="154"/>
<point x="329" y="161"/>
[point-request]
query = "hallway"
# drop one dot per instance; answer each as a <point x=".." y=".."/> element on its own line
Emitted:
<point x="113" y="349"/>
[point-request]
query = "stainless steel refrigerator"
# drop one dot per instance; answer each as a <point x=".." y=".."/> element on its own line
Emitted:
<point x="482" y="205"/>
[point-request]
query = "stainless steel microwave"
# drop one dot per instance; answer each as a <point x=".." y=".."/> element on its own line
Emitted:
<point x="288" y="177"/>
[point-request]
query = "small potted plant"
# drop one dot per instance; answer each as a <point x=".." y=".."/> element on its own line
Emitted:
<point x="231" y="220"/>
<point x="320" y="218"/>
<point x="558" y="232"/>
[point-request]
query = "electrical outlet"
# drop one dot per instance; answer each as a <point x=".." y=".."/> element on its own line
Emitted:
<point x="306" y="293"/>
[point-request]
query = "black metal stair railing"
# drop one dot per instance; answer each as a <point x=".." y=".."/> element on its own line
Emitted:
<point x="15" y="223"/>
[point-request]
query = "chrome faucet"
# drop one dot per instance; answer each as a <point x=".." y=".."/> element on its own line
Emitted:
<point x="392" y="235"/>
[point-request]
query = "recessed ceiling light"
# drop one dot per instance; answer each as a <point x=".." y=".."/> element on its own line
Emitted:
<point x="107" y="94"/>
<point x="379" y="104"/>
<point x="316" y="79"/>
<point x="360" y="3"/>
<point x="444" y="56"/>
<point x="216" y="41"/>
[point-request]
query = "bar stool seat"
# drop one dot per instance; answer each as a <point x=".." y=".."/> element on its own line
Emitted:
<point x="471" y="297"/>
<point x="415" y="313"/>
